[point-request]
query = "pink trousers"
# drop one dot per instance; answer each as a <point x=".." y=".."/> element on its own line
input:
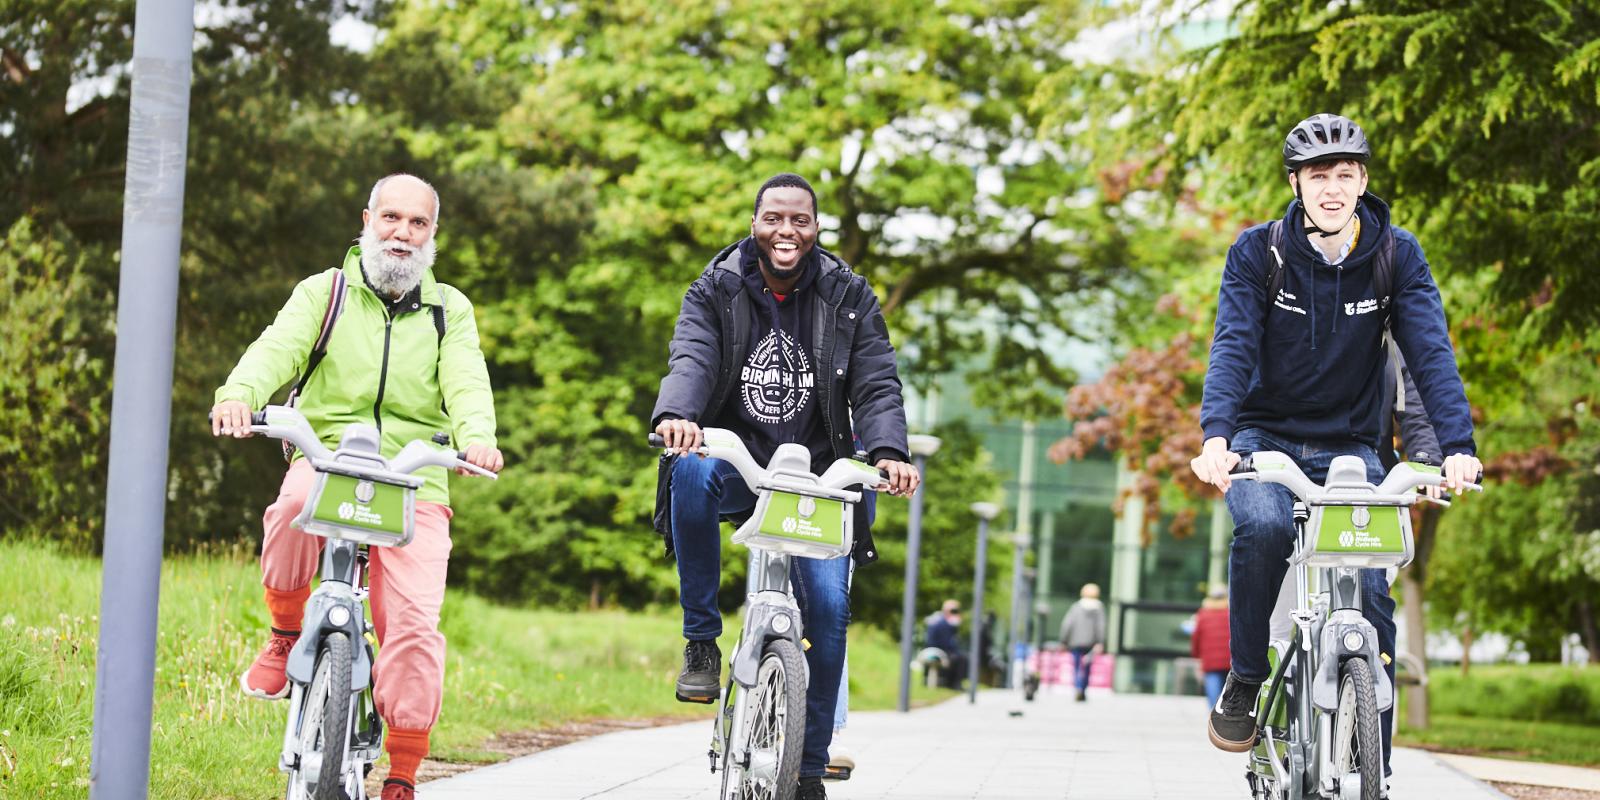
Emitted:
<point x="407" y="589"/>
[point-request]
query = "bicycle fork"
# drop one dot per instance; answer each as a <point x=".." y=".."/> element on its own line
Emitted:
<point x="338" y="605"/>
<point x="770" y="613"/>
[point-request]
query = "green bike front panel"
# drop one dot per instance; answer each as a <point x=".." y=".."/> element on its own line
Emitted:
<point x="1359" y="536"/>
<point x="799" y="525"/>
<point x="359" y="510"/>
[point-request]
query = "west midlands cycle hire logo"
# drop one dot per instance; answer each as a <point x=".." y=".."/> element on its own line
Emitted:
<point x="806" y="507"/>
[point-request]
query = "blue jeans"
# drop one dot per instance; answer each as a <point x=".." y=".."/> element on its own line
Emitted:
<point x="1263" y="538"/>
<point x="1214" y="681"/>
<point x="704" y="490"/>
<point x="1081" y="664"/>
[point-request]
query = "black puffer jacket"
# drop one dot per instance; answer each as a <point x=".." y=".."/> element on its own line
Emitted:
<point x="856" y="374"/>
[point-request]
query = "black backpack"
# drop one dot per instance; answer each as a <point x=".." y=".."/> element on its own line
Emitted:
<point x="1382" y="284"/>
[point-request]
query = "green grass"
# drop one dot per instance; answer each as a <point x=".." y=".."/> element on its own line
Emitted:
<point x="1537" y="712"/>
<point x="1554" y="742"/>
<point x="508" y="670"/>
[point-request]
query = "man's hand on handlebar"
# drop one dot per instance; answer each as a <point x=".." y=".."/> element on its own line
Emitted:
<point x="1214" y="463"/>
<point x="903" y="478"/>
<point x="1460" y="470"/>
<point x="231" y="418"/>
<point x="682" y="436"/>
<point x="482" y="455"/>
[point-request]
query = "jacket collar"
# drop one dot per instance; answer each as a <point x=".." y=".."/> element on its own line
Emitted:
<point x="1374" y="213"/>
<point x="831" y="280"/>
<point x="355" y="277"/>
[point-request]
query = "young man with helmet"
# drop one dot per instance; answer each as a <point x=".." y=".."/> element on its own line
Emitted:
<point x="1297" y="366"/>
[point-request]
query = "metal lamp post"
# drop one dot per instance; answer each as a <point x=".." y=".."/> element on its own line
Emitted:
<point x="1019" y="606"/>
<point x="141" y="404"/>
<point x="922" y="446"/>
<point x="985" y="512"/>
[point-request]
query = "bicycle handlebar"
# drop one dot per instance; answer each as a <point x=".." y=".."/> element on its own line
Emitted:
<point x="723" y="444"/>
<point x="1395" y="490"/>
<point x="283" y="422"/>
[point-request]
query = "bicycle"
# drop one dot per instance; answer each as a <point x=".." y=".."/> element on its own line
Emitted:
<point x="333" y="734"/>
<point x="759" y="730"/>
<point x="1317" y="724"/>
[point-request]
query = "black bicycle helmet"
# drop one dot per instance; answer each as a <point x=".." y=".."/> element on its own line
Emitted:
<point x="1324" y="137"/>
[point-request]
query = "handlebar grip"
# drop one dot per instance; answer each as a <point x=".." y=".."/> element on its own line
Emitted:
<point x="1244" y="467"/>
<point x="657" y="440"/>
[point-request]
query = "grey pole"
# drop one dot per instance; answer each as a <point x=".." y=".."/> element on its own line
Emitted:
<point x="1019" y="606"/>
<point x="985" y="512"/>
<point x="921" y="446"/>
<point x="141" y="403"/>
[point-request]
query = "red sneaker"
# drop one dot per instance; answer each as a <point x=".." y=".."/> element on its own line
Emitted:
<point x="266" y="679"/>
<point x="396" y="789"/>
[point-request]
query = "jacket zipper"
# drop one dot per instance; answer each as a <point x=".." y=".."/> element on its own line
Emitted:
<point x="383" y="371"/>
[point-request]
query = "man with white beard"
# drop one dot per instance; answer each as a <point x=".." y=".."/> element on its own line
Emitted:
<point x="403" y="355"/>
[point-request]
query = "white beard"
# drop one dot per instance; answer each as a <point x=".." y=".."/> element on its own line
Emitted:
<point x="393" y="276"/>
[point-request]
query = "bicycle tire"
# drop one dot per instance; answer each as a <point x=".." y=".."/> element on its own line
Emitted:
<point x="1358" y="740"/>
<point x="329" y="734"/>
<point x="776" y="725"/>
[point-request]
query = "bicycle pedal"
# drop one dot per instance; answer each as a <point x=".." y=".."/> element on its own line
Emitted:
<point x="833" y="773"/>
<point x="705" y="701"/>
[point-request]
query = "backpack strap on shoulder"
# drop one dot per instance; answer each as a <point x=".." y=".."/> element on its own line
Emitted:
<point x="1383" y="287"/>
<point x="439" y="321"/>
<point x="1275" y="269"/>
<point x="319" y="349"/>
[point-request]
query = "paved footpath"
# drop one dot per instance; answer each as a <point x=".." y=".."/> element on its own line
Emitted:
<point x="1114" y="747"/>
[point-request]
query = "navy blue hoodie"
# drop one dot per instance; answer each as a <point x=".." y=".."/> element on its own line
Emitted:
<point x="1308" y="365"/>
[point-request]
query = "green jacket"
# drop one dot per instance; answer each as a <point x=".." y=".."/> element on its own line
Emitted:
<point x="417" y="375"/>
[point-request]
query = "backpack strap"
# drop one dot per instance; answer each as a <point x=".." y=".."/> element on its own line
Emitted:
<point x="1383" y="287"/>
<point x="319" y="349"/>
<point x="1275" y="269"/>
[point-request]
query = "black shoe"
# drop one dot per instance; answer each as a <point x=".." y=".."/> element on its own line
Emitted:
<point x="1082" y="697"/>
<point x="702" y="672"/>
<point x="811" y="789"/>
<point x="1233" y="720"/>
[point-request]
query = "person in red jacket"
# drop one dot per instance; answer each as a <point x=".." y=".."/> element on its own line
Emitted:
<point x="1210" y="641"/>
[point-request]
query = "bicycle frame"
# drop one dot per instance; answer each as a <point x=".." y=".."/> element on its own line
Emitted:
<point x="797" y="514"/>
<point x="770" y="613"/>
<point x="342" y="586"/>
<point x="358" y="499"/>
<point x="1340" y="529"/>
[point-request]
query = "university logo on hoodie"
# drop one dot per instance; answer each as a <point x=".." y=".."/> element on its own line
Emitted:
<point x="777" y="381"/>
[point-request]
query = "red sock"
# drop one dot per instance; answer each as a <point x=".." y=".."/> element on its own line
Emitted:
<point x="406" y="749"/>
<point x="287" y="608"/>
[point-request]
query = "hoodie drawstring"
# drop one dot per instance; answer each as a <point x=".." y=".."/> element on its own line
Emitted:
<point x="1338" y="295"/>
<point x="1311" y="303"/>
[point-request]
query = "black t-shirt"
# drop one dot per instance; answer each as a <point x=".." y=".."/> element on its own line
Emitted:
<point x="775" y="398"/>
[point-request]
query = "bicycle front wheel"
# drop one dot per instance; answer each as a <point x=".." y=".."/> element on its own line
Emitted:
<point x="776" y="726"/>
<point x="324" y="734"/>
<point x="1357" y="740"/>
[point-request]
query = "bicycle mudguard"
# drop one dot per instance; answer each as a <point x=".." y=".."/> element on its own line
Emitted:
<point x="761" y="626"/>
<point x="316" y="625"/>
<point x="1325" y="686"/>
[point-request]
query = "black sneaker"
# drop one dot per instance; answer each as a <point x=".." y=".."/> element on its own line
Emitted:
<point x="702" y="672"/>
<point x="1233" y="721"/>
<point x="811" y="789"/>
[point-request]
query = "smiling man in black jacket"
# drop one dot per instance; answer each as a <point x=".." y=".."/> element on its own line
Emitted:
<point x="778" y="341"/>
<point x="1297" y="366"/>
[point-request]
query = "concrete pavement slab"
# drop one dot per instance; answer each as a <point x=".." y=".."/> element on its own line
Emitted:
<point x="1137" y="747"/>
